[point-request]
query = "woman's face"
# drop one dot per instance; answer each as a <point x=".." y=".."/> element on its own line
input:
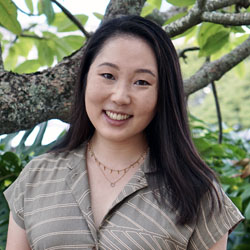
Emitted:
<point x="121" y="91"/>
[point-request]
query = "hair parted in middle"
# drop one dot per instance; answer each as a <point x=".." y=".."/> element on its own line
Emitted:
<point x="178" y="171"/>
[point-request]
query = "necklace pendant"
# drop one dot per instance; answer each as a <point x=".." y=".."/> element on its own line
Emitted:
<point x="112" y="184"/>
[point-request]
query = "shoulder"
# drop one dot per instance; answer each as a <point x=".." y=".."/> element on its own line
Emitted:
<point x="57" y="161"/>
<point x="50" y="166"/>
<point x="213" y="222"/>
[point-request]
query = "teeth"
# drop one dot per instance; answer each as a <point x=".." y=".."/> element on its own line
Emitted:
<point x="116" y="116"/>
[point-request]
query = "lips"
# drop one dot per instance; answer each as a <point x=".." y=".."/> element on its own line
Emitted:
<point x="117" y="116"/>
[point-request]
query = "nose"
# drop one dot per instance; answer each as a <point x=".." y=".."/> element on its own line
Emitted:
<point x="121" y="94"/>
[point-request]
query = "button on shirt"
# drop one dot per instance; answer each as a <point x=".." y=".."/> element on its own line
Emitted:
<point x="51" y="201"/>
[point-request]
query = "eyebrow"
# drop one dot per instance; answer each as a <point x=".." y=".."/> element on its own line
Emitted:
<point x="137" y="71"/>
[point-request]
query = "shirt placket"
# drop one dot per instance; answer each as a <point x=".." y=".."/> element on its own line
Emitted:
<point x="78" y="182"/>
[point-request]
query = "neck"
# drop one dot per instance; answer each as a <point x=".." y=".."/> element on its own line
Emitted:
<point x="117" y="154"/>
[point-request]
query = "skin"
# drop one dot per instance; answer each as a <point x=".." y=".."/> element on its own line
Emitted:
<point x="16" y="237"/>
<point x="122" y="79"/>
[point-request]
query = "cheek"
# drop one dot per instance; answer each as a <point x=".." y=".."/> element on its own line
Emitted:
<point x="148" y="107"/>
<point x="150" y="104"/>
<point x="93" y="95"/>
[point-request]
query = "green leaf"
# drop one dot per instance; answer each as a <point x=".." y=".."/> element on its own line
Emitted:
<point x="211" y="38"/>
<point x="147" y="9"/>
<point x="181" y="3"/>
<point x="8" y="16"/>
<point x="185" y="33"/>
<point x="229" y="180"/>
<point x="205" y="31"/>
<point x="11" y="159"/>
<point x="28" y="66"/>
<point x="247" y="212"/>
<point x="21" y="48"/>
<point x="201" y="144"/>
<point x="63" y="24"/>
<point x="191" y="34"/>
<point x="4" y="218"/>
<point x="11" y="59"/>
<point x="98" y="15"/>
<point x="246" y="193"/>
<point x="24" y="45"/>
<point x="29" y="5"/>
<point x="237" y="29"/>
<point x="214" y="43"/>
<point x="75" y="42"/>
<point x="45" y="53"/>
<point x="238" y="40"/>
<point x="155" y="3"/>
<point x="7" y="140"/>
<point x="174" y="18"/>
<point x="59" y="46"/>
<point x="237" y="202"/>
<point x="40" y="7"/>
<point x="240" y="70"/>
<point x="48" y="10"/>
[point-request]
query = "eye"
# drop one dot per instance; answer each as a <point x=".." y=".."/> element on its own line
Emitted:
<point x="108" y="76"/>
<point x="142" y="82"/>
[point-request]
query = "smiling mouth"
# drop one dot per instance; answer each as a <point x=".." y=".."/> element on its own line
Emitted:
<point x="117" y="116"/>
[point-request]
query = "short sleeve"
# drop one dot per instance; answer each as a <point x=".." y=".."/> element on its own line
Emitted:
<point x="211" y="226"/>
<point x="15" y="197"/>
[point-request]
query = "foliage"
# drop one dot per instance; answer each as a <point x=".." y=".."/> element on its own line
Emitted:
<point x="60" y="37"/>
<point x="231" y="161"/>
<point x="234" y="98"/>
<point x="12" y="161"/>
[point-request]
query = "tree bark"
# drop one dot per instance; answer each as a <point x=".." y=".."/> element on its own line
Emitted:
<point x="29" y="99"/>
<point x="118" y="7"/>
<point x="213" y="71"/>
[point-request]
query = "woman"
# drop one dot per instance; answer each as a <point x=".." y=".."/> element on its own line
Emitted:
<point x="126" y="175"/>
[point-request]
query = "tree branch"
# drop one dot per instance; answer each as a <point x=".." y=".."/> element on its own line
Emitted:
<point x="33" y="36"/>
<point x="192" y="18"/>
<point x="161" y="17"/>
<point x="215" y="4"/>
<point x="72" y="18"/>
<point x="219" y="117"/>
<point x="196" y="15"/>
<point x="200" y="4"/>
<point x="182" y="53"/>
<point x="1" y="60"/>
<point x="117" y="8"/>
<point x="28" y="14"/>
<point x="19" y="103"/>
<point x="227" y="19"/>
<point x="29" y="99"/>
<point x="213" y="71"/>
<point x="217" y="106"/>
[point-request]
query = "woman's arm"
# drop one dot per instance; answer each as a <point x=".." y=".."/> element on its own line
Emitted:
<point x="16" y="237"/>
<point x="221" y="244"/>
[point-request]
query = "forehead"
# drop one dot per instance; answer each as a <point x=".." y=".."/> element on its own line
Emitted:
<point x="128" y="50"/>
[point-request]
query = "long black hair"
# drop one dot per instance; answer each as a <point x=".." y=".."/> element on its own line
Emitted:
<point x="179" y="172"/>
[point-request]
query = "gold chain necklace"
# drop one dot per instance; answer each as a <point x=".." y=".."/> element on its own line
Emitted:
<point x="123" y="171"/>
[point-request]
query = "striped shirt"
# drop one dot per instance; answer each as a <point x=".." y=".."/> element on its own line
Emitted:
<point x="51" y="200"/>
